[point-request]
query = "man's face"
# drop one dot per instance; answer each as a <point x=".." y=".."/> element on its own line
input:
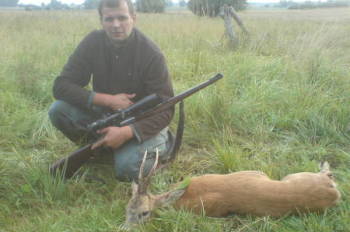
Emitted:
<point x="117" y="22"/>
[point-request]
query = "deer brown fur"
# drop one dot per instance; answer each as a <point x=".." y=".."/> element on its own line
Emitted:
<point x="244" y="192"/>
<point x="254" y="193"/>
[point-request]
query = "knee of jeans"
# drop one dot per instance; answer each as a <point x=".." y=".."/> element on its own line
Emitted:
<point x="126" y="171"/>
<point x="55" y="113"/>
<point x="126" y="175"/>
<point x="130" y="171"/>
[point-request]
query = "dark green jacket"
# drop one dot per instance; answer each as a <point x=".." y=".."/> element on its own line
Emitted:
<point x="137" y="67"/>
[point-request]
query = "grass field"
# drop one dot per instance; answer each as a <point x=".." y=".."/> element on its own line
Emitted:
<point x="283" y="106"/>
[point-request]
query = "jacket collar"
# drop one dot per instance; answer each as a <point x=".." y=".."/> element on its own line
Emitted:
<point x="117" y="48"/>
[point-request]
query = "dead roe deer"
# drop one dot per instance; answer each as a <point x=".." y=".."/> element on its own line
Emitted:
<point x="244" y="192"/>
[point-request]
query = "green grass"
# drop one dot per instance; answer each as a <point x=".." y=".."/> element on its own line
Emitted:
<point x="283" y="106"/>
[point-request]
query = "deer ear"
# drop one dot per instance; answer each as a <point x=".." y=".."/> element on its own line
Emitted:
<point x="324" y="167"/>
<point x="134" y="188"/>
<point x="168" y="197"/>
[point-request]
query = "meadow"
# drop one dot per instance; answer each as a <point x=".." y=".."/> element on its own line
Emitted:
<point x="282" y="107"/>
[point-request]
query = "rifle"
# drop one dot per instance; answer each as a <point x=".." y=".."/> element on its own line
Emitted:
<point x="142" y="109"/>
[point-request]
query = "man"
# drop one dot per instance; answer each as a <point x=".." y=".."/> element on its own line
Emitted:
<point x="125" y="66"/>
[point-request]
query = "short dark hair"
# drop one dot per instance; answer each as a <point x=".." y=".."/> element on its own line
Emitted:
<point x="115" y="4"/>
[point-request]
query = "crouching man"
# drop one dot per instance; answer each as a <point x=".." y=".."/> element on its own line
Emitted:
<point x="124" y="66"/>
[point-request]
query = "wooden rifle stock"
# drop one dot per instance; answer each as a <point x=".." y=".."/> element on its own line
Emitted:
<point x="67" y="166"/>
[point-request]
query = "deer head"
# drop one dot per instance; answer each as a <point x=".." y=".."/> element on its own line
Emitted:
<point x="142" y="202"/>
<point x="325" y="169"/>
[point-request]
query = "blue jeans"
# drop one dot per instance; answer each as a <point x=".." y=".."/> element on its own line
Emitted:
<point x="127" y="159"/>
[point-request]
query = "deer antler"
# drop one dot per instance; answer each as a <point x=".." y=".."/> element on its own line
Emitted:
<point x="143" y="182"/>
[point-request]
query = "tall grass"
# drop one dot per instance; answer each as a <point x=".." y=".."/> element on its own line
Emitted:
<point x="282" y="107"/>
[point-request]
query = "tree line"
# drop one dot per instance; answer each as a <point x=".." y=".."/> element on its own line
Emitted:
<point x="9" y="3"/>
<point x="198" y="7"/>
<point x="313" y="5"/>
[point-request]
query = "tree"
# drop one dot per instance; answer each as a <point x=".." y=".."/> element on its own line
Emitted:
<point x="182" y="3"/>
<point x="8" y="3"/>
<point x="57" y="5"/>
<point x="286" y="3"/>
<point x="169" y="3"/>
<point x="54" y="4"/>
<point x="212" y="7"/>
<point x="91" y="4"/>
<point x="151" y="6"/>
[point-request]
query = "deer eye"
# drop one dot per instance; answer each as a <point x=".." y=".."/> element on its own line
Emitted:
<point x="331" y="175"/>
<point x="144" y="214"/>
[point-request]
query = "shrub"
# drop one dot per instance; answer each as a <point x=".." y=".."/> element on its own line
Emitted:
<point x="150" y="6"/>
<point x="212" y="7"/>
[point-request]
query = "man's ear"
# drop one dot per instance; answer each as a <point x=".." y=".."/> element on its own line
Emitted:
<point x="168" y="197"/>
<point x="133" y="16"/>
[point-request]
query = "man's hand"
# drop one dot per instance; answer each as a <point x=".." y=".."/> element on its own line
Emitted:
<point x="113" y="137"/>
<point x="114" y="102"/>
